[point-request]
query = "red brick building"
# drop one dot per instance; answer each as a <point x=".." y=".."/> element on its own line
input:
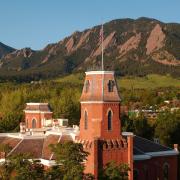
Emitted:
<point x="100" y="133"/>
<point x="36" y="115"/>
<point x="100" y="125"/>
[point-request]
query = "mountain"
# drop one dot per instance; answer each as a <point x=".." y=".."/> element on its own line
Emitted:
<point x="4" y="49"/>
<point x="131" y="47"/>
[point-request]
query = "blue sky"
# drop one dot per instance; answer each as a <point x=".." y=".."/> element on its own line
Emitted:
<point x="35" y="23"/>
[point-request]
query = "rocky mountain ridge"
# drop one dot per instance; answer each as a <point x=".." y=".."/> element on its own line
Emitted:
<point x="4" y="49"/>
<point x="131" y="47"/>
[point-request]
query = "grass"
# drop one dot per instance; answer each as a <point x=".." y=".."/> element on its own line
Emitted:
<point x="151" y="81"/>
<point x="72" y="78"/>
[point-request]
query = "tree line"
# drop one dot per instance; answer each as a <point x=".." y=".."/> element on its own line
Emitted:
<point x="63" y="98"/>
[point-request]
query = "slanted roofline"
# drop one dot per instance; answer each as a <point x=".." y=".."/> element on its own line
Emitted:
<point x="99" y="72"/>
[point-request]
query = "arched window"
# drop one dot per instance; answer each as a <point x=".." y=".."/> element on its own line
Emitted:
<point x="85" y="120"/>
<point x="165" y="171"/>
<point x="33" y="123"/>
<point x="109" y="120"/>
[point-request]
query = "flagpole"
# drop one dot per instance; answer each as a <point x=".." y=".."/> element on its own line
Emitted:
<point x="102" y="48"/>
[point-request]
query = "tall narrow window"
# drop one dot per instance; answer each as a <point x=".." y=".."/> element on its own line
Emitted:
<point x="110" y="120"/>
<point x="33" y="123"/>
<point x="85" y="120"/>
<point x="136" y="174"/>
<point x="111" y="85"/>
<point x="165" y="172"/>
<point x="27" y="125"/>
<point x="87" y="84"/>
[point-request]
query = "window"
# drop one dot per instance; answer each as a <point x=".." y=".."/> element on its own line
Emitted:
<point x="145" y="169"/>
<point x="85" y="120"/>
<point x="135" y="174"/>
<point x="87" y="84"/>
<point x="110" y="120"/>
<point x="165" y="171"/>
<point x="111" y="85"/>
<point x="33" y="123"/>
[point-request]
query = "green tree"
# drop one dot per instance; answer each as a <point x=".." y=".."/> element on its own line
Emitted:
<point x="138" y="125"/>
<point x="168" y="128"/>
<point x="25" y="169"/>
<point x="5" y="168"/>
<point x="70" y="156"/>
<point x="142" y="127"/>
<point x="114" y="172"/>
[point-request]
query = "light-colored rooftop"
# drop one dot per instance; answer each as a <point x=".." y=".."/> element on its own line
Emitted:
<point x="99" y="72"/>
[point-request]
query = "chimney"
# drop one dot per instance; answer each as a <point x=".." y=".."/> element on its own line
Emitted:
<point x="176" y="147"/>
<point x="22" y="127"/>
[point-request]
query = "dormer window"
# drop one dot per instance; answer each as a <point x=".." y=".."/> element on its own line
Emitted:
<point x="87" y="84"/>
<point x="111" y="85"/>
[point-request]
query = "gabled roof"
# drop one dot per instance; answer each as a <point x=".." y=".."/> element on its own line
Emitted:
<point x="38" y="107"/>
<point x="30" y="146"/>
<point x="37" y="147"/>
<point x="46" y="151"/>
<point x="146" y="145"/>
<point x="145" y="149"/>
<point x="12" y="142"/>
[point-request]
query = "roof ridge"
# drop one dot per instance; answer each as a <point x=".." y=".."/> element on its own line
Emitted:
<point x="15" y="147"/>
<point x="139" y="150"/>
<point x="155" y="142"/>
<point x="42" y="148"/>
<point x="52" y="154"/>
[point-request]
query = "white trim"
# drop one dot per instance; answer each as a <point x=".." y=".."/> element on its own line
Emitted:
<point x="127" y="134"/>
<point x="141" y="157"/>
<point x="99" y="102"/>
<point x="149" y="155"/>
<point x="109" y="109"/>
<point x="163" y="153"/>
<point x="43" y="161"/>
<point x="99" y="72"/>
<point x="2" y="161"/>
<point x="31" y="103"/>
<point x="48" y="162"/>
<point x="37" y="111"/>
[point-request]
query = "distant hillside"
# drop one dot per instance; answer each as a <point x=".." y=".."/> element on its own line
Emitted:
<point x="5" y="50"/>
<point x="151" y="81"/>
<point x="132" y="47"/>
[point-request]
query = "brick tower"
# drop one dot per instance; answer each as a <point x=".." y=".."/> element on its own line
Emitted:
<point x="100" y="126"/>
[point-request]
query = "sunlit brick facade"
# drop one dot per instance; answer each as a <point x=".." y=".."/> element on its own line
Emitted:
<point x="100" y="125"/>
